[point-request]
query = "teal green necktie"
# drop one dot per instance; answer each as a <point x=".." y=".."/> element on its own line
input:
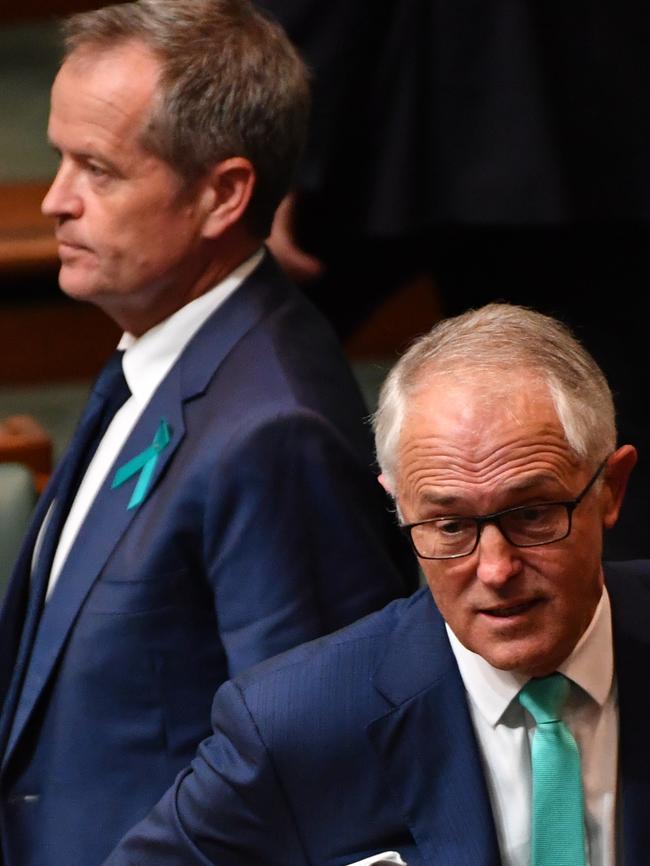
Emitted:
<point x="557" y="817"/>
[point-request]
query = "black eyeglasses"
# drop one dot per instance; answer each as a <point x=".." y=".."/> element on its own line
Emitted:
<point x="522" y="526"/>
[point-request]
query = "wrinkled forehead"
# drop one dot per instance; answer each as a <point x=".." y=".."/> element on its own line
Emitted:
<point x="474" y="440"/>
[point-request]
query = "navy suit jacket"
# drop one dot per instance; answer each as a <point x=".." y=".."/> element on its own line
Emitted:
<point x="362" y="742"/>
<point x="264" y="527"/>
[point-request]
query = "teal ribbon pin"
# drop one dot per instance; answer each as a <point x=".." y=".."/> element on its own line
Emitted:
<point x="145" y="464"/>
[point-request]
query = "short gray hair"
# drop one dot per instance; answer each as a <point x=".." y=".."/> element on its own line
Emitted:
<point x="490" y="343"/>
<point x="231" y="85"/>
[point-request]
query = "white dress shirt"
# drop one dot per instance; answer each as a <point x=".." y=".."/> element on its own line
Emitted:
<point x="504" y="732"/>
<point x="146" y="362"/>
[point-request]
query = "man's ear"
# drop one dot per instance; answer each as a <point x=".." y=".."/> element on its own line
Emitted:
<point x="617" y="472"/>
<point x="226" y="195"/>
<point x="388" y="487"/>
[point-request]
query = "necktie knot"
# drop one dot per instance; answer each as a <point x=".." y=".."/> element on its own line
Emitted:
<point x="110" y="392"/>
<point x="544" y="698"/>
<point x="111" y="379"/>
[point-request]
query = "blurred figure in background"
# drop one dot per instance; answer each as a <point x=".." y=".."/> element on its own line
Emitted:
<point x="499" y="149"/>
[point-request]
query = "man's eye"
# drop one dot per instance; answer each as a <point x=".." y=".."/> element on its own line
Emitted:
<point x="451" y="526"/>
<point x="531" y="514"/>
<point x="96" y="170"/>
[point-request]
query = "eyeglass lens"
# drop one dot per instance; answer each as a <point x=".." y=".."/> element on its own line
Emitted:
<point x="527" y="526"/>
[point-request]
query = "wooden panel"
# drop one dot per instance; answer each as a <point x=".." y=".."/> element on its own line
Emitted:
<point x="57" y="340"/>
<point x="26" y="236"/>
<point x="406" y="314"/>
<point x="24" y="440"/>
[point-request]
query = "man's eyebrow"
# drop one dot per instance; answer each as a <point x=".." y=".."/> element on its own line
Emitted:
<point x="523" y="485"/>
<point x="445" y="501"/>
<point x="84" y="156"/>
<point x="76" y="154"/>
<point x="532" y="481"/>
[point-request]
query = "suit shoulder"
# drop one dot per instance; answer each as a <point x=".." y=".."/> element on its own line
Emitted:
<point x="319" y="696"/>
<point x="632" y="572"/>
<point x="628" y="585"/>
<point x="364" y="638"/>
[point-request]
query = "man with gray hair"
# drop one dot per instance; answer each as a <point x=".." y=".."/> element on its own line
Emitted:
<point x="217" y="503"/>
<point x="496" y="716"/>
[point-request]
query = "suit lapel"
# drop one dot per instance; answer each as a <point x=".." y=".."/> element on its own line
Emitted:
<point x="427" y="745"/>
<point x="106" y="522"/>
<point x="629" y="588"/>
<point x="109" y="517"/>
<point x="20" y="592"/>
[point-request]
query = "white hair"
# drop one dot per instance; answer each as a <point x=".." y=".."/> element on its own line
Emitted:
<point x="489" y="345"/>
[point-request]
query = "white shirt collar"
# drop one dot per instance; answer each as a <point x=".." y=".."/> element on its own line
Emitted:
<point x="590" y="665"/>
<point x="148" y="359"/>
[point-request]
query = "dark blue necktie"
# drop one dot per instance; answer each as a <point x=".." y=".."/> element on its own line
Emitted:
<point x="109" y="392"/>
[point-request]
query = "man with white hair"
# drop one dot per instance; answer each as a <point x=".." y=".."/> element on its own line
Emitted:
<point x="495" y="717"/>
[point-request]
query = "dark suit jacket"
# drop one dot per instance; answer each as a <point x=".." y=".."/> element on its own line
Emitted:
<point x="361" y="743"/>
<point x="264" y="528"/>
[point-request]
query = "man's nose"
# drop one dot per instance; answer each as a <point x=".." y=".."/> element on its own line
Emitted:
<point x="62" y="199"/>
<point x="498" y="560"/>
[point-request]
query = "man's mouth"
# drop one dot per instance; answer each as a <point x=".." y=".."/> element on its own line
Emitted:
<point x="511" y="610"/>
<point x="70" y="249"/>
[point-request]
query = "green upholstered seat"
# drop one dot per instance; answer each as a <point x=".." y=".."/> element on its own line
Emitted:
<point x="17" y="499"/>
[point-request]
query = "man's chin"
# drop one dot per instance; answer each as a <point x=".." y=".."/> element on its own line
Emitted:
<point x="529" y="660"/>
<point x="77" y="286"/>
